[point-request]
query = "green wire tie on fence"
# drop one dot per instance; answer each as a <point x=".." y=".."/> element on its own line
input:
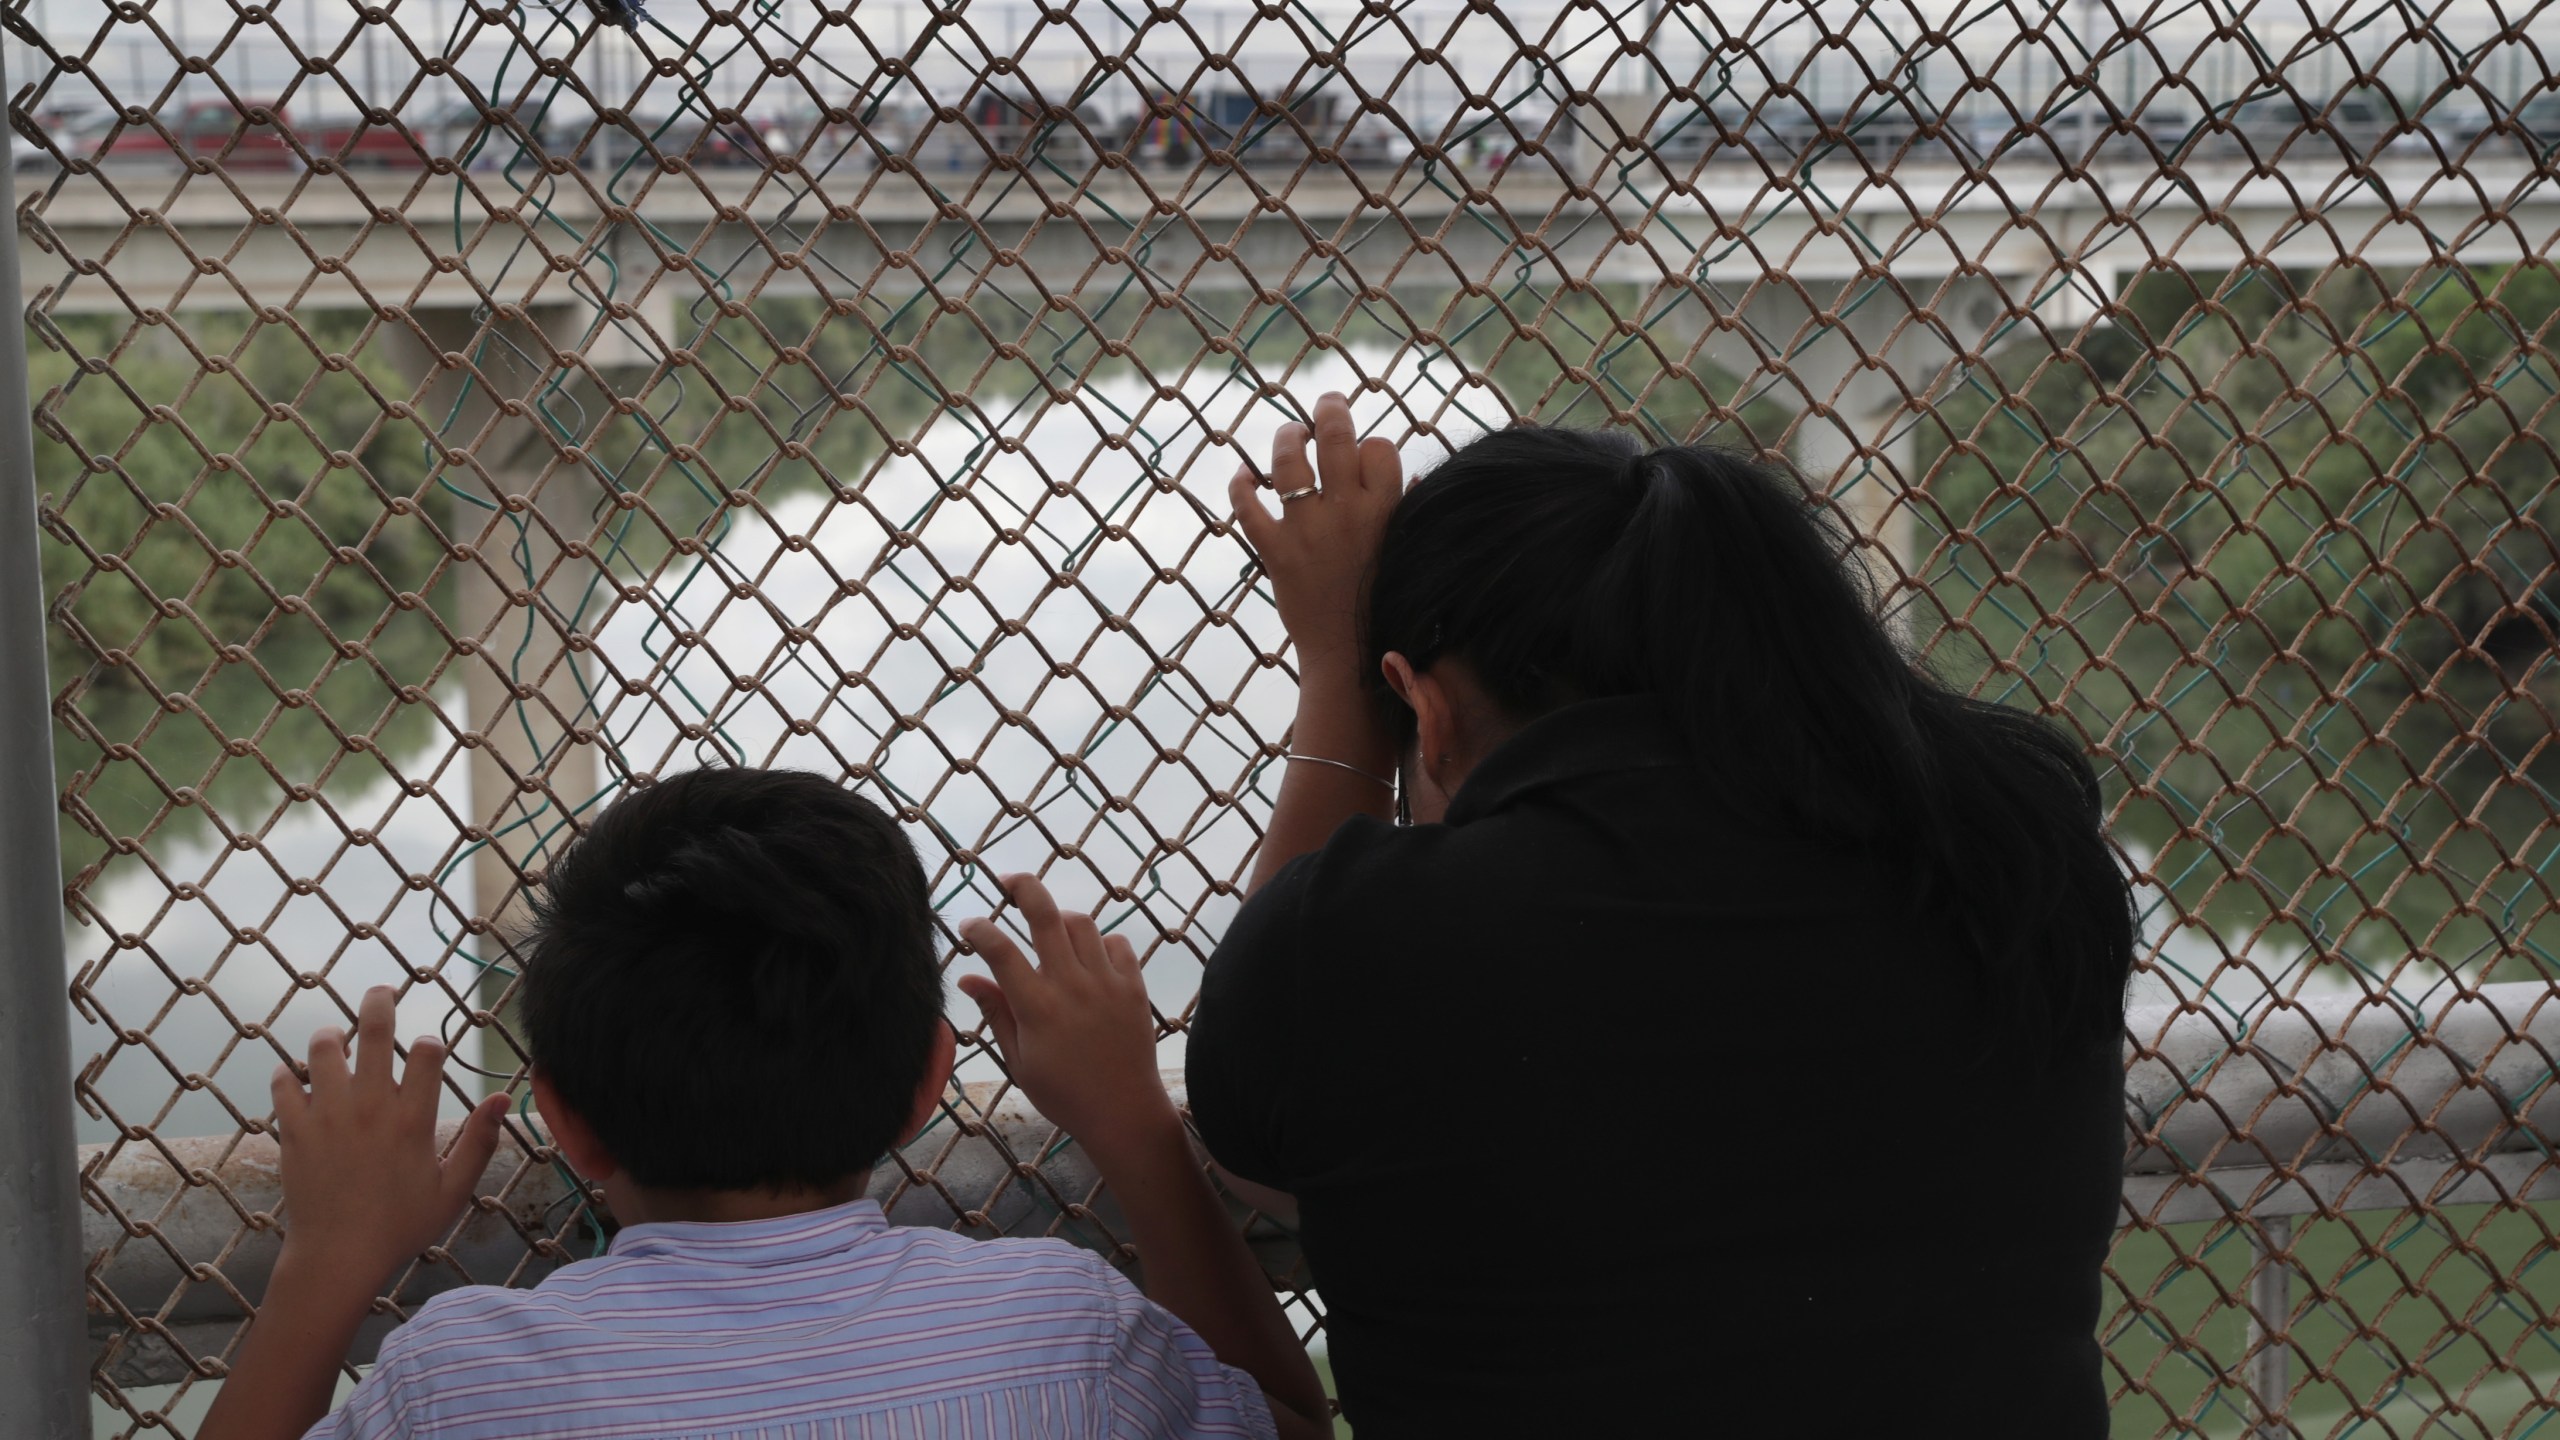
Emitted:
<point x="554" y="390"/>
<point x="597" y="1240"/>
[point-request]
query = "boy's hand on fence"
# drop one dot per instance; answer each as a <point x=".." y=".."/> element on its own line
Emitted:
<point x="1318" y="548"/>
<point x="1077" y="1033"/>
<point x="363" y="1187"/>
<point x="1075" y="1029"/>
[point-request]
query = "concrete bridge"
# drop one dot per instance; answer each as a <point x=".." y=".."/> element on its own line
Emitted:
<point x="1855" y="291"/>
<point x="1862" y="285"/>
<point x="420" y="240"/>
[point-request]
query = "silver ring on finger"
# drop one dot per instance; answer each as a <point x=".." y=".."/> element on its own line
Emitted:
<point x="1301" y="493"/>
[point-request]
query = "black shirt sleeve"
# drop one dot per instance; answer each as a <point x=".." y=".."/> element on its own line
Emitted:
<point x="1247" y="1036"/>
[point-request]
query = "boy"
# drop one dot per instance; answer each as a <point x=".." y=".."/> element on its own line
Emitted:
<point x="730" y="997"/>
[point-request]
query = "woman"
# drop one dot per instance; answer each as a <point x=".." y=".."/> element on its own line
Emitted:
<point x="1732" y="1031"/>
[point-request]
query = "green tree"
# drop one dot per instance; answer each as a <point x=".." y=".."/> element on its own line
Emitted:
<point x="2279" y="545"/>
<point x="243" y="558"/>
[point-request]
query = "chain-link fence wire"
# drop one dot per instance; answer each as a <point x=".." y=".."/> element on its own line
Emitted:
<point x="449" y="412"/>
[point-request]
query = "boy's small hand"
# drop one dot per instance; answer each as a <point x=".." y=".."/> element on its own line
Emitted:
<point x="363" y="1189"/>
<point x="1075" y="1030"/>
<point x="1077" y="1034"/>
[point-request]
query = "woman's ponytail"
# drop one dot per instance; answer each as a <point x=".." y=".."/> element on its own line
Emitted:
<point x="1728" y="591"/>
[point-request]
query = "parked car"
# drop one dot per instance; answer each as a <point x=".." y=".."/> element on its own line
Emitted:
<point x="1176" y="130"/>
<point x="68" y="135"/>
<point x="1372" y="142"/>
<point x="1685" y="137"/>
<point x="2171" y="128"/>
<point x="211" y="129"/>
<point x="2537" y="123"/>
<point x="2363" y="119"/>
<point x="2305" y="127"/>
<point x="355" y="141"/>
<point x="838" y="142"/>
<point x="2081" y="131"/>
<point x="688" y="136"/>
<point x="568" y="127"/>
<point x="1897" y="128"/>
<point x="407" y="142"/>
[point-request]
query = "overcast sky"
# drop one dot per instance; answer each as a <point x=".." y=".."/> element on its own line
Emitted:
<point x="1693" y="39"/>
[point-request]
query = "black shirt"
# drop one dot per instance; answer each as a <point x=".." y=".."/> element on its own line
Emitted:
<point x="1602" y="1105"/>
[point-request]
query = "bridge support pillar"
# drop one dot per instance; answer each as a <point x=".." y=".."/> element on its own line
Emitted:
<point x="524" y="602"/>
<point x="1864" y="362"/>
<point x="1860" y="448"/>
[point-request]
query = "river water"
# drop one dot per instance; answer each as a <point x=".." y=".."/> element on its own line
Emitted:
<point x="189" y="984"/>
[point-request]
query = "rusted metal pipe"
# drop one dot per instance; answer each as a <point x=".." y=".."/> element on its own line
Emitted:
<point x="2343" y="1103"/>
<point x="2348" y="1103"/>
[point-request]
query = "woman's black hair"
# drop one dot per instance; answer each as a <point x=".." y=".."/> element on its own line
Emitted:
<point x="1565" y="565"/>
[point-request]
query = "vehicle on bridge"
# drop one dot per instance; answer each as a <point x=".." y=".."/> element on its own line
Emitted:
<point x="2303" y="128"/>
<point x="1895" y="128"/>
<point x="566" y="127"/>
<point x="250" y="137"/>
<point x="1176" y="130"/>
<point x="2537" y="124"/>
<point x="405" y="142"/>
<point x="846" y="138"/>
<point x="68" y="135"/>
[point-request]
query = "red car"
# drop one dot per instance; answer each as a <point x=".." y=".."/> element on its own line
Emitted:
<point x="354" y="142"/>
<point x="205" y="128"/>
<point x="408" y="141"/>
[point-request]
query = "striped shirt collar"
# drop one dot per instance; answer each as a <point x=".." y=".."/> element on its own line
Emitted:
<point x="781" y="1240"/>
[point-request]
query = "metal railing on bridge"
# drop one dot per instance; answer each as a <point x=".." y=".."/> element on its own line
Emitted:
<point x="446" y="412"/>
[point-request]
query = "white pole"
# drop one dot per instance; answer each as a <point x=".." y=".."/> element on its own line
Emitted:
<point x="44" y="1351"/>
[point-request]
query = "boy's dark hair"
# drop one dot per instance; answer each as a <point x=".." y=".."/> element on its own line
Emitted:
<point x="731" y="977"/>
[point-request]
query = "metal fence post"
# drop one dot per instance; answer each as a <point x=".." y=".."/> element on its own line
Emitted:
<point x="2271" y="1326"/>
<point x="43" y="1355"/>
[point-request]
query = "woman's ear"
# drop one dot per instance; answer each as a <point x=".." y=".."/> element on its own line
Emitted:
<point x="1435" y="719"/>
<point x="570" y="1134"/>
<point x="1399" y="674"/>
<point x="937" y="1074"/>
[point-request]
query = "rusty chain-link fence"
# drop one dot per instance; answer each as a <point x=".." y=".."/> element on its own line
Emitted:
<point x="448" y="411"/>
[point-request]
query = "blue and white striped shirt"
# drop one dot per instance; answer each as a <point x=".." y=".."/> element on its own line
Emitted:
<point x="833" y="1325"/>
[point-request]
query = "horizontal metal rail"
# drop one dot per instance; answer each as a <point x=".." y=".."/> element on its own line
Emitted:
<point x="2332" y="1105"/>
<point x="2343" y="1103"/>
<point x="274" y="227"/>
